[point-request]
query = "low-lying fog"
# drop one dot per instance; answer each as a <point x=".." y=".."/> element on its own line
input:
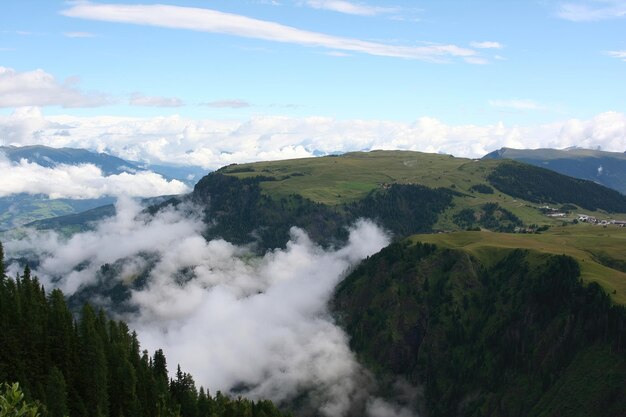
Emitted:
<point x="257" y="325"/>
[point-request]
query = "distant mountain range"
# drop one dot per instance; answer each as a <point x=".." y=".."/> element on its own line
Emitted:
<point x="606" y="168"/>
<point x="110" y="165"/>
<point x="20" y="209"/>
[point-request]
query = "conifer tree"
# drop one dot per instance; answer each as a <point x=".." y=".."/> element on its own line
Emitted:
<point x="56" y="394"/>
<point x="92" y="370"/>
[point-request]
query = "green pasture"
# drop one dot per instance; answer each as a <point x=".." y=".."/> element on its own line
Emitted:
<point x="589" y="244"/>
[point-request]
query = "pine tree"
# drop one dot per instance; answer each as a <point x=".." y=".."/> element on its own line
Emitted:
<point x="56" y="394"/>
<point x="92" y="372"/>
<point x="2" y="271"/>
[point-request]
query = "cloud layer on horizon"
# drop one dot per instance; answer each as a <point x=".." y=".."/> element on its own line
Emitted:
<point x="215" y="143"/>
<point x="81" y="181"/>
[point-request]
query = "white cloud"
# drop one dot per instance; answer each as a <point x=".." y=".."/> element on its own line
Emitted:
<point x="348" y="7"/>
<point x="476" y="60"/>
<point x="486" y="45"/>
<point x="517" y="104"/>
<point x="593" y="10"/>
<point x="617" y="54"/>
<point x="38" y="88"/>
<point x="138" y="99"/>
<point x="79" y="34"/>
<point x="81" y="181"/>
<point x="260" y="322"/>
<point x="230" y="104"/>
<point x="207" y="20"/>
<point x="215" y="143"/>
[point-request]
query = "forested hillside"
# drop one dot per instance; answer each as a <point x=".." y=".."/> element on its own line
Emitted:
<point x="240" y="212"/>
<point x="540" y="185"/>
<point x="521" y="337"/>
<point x="93" y="366"/>
<point x="606" y="168"/>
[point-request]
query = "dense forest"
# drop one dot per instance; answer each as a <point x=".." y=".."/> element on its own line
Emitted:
<point x="540" y="185"/>
<point x="93" y="366"/>
<point x="239" y="212"/>
<point x="523" y="337"/>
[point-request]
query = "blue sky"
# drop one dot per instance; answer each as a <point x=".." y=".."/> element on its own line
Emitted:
<point x="520" y="63"/>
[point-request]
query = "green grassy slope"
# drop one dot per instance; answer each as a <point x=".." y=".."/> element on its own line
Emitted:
<point x="337" y="180"/>
<point x="592" y="246"/>
<point x="345" y="178"/>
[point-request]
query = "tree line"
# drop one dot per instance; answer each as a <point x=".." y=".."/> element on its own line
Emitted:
<point x="92" y="366"/>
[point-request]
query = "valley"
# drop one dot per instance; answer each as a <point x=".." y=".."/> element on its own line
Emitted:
<point x="421" y="262"/>
<point x="312" y="208"/>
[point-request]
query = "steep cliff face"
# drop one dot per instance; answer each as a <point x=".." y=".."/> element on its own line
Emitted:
<point x="524" y="337"/>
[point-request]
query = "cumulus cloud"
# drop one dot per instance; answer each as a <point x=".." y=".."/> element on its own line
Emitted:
<point x="215" y="143"/>
<point x="486" y="45"/>
<point x="229" y="104"/>
<point x="80" y="181"/>
<point x="231" y="319"/>
<point x="213" y="21"/>
<point x="38" y="88"/>
<point x="593" y="10"/>
<point x="348" y="7"/>
<point x="138" y="99"/>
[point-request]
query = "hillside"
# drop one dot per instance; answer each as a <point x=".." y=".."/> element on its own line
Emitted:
<point x="109" y="164"/>
<point x="406" y="192"/>
<point x="507" y="333"/>
<point x="20" y="209"/>
<point x="606" y="168"/>
<point x="50" y="157"/>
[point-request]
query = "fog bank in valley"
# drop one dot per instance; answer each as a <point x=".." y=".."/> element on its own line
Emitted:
<point x="239" y="323"/>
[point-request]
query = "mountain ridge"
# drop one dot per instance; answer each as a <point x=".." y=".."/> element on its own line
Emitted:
<point x="606" y="168"/>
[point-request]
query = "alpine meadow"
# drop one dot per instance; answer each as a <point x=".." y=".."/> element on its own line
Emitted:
<point x="335" y="208"/>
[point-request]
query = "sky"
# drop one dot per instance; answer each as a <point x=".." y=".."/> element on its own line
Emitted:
<point x="215" y="82"/>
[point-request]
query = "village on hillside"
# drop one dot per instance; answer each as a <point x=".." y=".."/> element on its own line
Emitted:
<point x="584" y="218"/>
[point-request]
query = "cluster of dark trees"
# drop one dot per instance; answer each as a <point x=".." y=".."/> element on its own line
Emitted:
<point x="93" y="366"/>
<point x="523" y="337"/>
<point x="239" y="212"/>
<point x="540" y="185"/>
<point x="491" y="216"/>
<point x="481" y="188"/>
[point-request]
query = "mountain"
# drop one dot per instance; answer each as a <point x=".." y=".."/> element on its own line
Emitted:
<point x="606" y="168"/>
<point x="50" y="157"/>
<point x="511" y="332"/>
<point x="487" y="303"/>
<point x="20" y="209"/>
<point x="406" y="192"/>
<point x="110" y="165"/>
